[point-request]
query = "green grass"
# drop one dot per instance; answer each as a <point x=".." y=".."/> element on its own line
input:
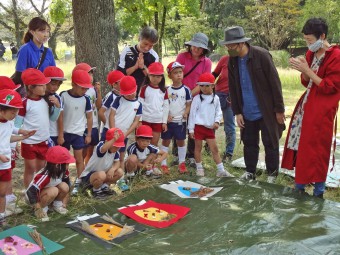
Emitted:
<point x="292" y="90"/>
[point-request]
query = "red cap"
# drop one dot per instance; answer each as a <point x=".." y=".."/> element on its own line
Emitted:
<point x="114" y="76"/>
<point x="10" y="98"/>
<point x="144" y="131"/>
<point x="54" y="73"/>
<point x="110" y="134"/>
<point x="156" y="68"/>
<point x="32" y="76"/>
<point x="128" y="85"/>
<point x="206" y="79"/>
<point x="82" y="78"/>
<point x="84" y="66"/>
<point x="59" y="155"/>
<point x="7" y="83"/>
<point x="173" y="65"/>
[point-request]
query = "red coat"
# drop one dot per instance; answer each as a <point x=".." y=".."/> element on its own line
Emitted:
<point x="314" y="150"/>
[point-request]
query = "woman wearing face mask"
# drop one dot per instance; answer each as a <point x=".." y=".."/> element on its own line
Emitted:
<point x="33" y="54"/>
<point x="309" y="141"/>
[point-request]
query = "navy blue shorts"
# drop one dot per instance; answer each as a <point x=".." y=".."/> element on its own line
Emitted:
<point x="176" y="130"/>
<point x="54" y="139"/>
<point x="94" y="136"/>
<point x="76" y="141"/>
<point x="103" y="134"/>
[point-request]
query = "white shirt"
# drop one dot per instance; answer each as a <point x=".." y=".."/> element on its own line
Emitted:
<point x="142" y="154"/>
<point x="107" y="103"/>
<point x="35" y="116"/>
<point x="178" y="98"/>
<point x="53" y="124"/>
<point x="126" y="111"/>
<point x="204" y="112"/>
<point x="100" y="161"/>
<point x="92" y="94"/>
<point x="75" y="109"/>
<point x="155" y="104"/>
<point x="6" y="130"/>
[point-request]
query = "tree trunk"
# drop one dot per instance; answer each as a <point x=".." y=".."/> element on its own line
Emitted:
<point x="52" y="43"/>
<point x="93" y="32"/>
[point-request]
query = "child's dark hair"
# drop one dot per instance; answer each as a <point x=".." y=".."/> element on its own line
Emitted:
<point x="149" y="33"/>
<point x="161" y="85"/>
<point x="143" y="137"/>
<point x="316" y="27"/>
<point x="45" y="97"/>
<point x="36" y="23"/>
<point x="54" y="170"/>
<point x="204" y="53"/>
<point x="212" y="101"/>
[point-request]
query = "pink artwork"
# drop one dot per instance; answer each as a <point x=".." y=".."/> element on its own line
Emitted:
<point x="14" y="245"/>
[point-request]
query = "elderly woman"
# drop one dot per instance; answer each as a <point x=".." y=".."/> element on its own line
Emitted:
<point x="309" y="140"/>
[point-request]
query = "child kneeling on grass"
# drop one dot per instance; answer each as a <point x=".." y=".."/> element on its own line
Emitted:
<point x="204" y="119"/>
<point x="51" y="184"/>
<point x="103" y="168"/>
<point x="143" y="156"/>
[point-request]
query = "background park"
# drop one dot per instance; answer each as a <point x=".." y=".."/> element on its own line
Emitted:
<point x="96" y="31"/>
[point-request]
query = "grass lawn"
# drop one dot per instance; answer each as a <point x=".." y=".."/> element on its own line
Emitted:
<point x="292" y="90"/>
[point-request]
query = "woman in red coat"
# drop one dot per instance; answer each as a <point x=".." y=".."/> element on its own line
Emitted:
<point x="309" y="140"/>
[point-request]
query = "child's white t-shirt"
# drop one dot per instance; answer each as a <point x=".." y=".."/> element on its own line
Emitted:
<point x="155" y="104"/>
<point x="75" y="109"/>
<point x="142" y="154"/>
<point x="36" y="117"/>
<point x="100" y="161"/>
<point x="178" y="98"/>
<point x="54" y="124"/>
<point x="107" y="103"/>
<point x="92" y="94"/>
<point x="126" y="111"/>
<point x="6" y="130"/>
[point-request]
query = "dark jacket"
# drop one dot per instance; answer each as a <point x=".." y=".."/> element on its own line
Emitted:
<point x="266" y="86"/>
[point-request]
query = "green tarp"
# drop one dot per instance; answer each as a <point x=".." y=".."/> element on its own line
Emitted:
<point x="243" y="218"/>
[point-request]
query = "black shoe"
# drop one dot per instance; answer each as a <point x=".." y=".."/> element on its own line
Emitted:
<point x="248" y="176"/>
<point x="227" y="158"/>
<point x="108" y="191"/>
<point x="99" y="194"/>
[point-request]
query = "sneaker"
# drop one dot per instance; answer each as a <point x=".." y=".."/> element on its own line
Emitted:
<point x="99" y="194"/>
<point x="174" y="161"/>
<point x="247" y="176"/>
<point x="107" y="191"/>
<point x="60" y="209"/>
<point x="227" y="158"/>
<point x="200" y="172"/>
<point x="182" y="168"/>
<point x="271" y="179"/>
<point x="75" y="189"/>
<point x="192" y="162"/>
<point x="11" y="198"/>
<point x="165" y="169"/>
<point x="156" y="171"/>
<point x="224" y="174"/>
<point x="41" y="215"/>
<point x="122" y="185"/>
<point x="12" y="208"/>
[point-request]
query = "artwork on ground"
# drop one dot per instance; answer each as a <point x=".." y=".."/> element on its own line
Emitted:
<point x="15" y="245"/>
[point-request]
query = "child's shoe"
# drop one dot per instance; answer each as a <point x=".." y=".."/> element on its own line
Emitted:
<point x="41" y="215"/>
<point x="12" y="208"/>
<point x="192" y="162"/>
<point x="122" y="185"/>
<point x="182" y="168"/>
<point x="165" y="169"/>
<point x="107" y="191"/>
<point x="98" y="194"/>
<point x="224" y="174"/>
<point x="200" y="172"/>
<point x="156" y="171"/>
<point x="60" y="209"/>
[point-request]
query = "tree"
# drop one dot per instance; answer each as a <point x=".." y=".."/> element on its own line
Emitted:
<point x="94" y="33"/>
<point x="273" y="22"/>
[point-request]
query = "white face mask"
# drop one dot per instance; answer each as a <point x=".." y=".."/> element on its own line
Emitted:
<point x="314" y="47"/>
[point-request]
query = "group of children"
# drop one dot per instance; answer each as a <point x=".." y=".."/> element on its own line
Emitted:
<point x="50" y="124"/>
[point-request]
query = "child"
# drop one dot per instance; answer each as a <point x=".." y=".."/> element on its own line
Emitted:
<point x="95" y="95"/>
<point x="142" y="156"/>
<point x="35" y="115"/>
<point x="51" y="184"/>
<point x="56" y="127"/>
<point x="205" y="117"/>
<point x="180" y="101"/>
<point x="77" y="114"/>
<point x="113" y="79"/>
<point x="126" y="111"/>
<point x="10" y="103"/>
<point x="154" y="98"/>
<point x="103" y="168"/>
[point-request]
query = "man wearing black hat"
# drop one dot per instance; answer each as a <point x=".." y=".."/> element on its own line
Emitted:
<point x="256" y="98"/>
<point x="2" y="51"/>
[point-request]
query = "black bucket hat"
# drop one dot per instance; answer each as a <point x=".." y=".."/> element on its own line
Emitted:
<point x="234" y="35"/>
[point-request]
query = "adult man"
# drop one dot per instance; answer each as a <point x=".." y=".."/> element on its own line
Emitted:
<point x="256" y="98"/>
<point x="2" y="51"/>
